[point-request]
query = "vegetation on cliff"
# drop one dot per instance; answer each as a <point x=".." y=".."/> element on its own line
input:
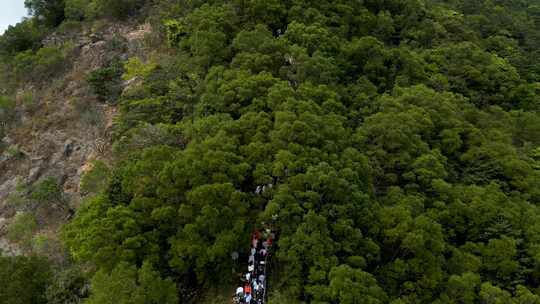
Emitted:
<point x="398" y="142"/>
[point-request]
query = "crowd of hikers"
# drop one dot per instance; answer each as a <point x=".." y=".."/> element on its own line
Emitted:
<point x="253" y="288"/>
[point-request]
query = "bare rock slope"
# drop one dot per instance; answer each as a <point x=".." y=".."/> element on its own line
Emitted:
<point x="63" y="131"/>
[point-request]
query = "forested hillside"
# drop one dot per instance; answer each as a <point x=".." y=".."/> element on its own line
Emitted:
<point x="398" y="143"/>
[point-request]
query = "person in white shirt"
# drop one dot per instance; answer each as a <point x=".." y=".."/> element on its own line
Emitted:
<point x="255" y="286"/>
<point x="239" y="295"/>
<point x="240" y="290"/>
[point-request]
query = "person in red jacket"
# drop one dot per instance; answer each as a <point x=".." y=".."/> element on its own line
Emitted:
<point x="247" y="288"/>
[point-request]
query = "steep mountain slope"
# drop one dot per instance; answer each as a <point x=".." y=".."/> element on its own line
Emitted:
<point x="394" y="146"/>
<point x="60" y="128"/>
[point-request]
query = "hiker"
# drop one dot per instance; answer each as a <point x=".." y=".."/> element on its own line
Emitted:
<point x="247" y="288"/>
<point x="261" y="279"/>
<point x="248" y="276"/>
<point x="251" y="267"/>
<point x="261" y="267"/>
<point x="248" y="298"/>
<point x="257" y="256"/>
<point x="251" y="259"/>
<point x="239" y="290"/>
<point x="263" y="253"/>
<point x="260" y="293"/>
<point x="255" y="286"/>
<point x="239" y="298"/>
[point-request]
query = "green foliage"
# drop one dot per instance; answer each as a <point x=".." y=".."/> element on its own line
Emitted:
<point x="134" y="67"/>
<point x="76" y="10"/>
<point x="23" y="280"/>
<point x="89" y="112"/>
<point x="29" y="101"/>
<point x="96" y="179"/>
<point x="23" y="36"/>
<point x="48" y="190"/>
<point x="106" y="81"/>
<point x="7" y="110"/>
<point x="43" y="245"/>
<point x="38" y="66"/>
<point x="49" y="12"/>
<point x="68" y="286"/>
<point x="349" y="285"/>
<point x="120" y="9"/>
<point x="14" y="151"/>
<point x="397" y="143"/>
<point x="22" y="229"/>
<point x="126" y="284"/>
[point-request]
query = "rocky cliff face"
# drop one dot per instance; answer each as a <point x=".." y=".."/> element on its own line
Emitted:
<point x="63" y="129"/>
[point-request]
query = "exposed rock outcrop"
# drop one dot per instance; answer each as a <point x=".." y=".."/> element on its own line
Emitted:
<point x="55" y="139"/>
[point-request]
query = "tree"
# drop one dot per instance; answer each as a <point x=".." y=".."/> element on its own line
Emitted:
<point x="24" y="280"/>
<point x="393" y="144"/>
<point x="49" y="12"/>
<point x="348" y="286"/>
<point x="69" y="286"/>
<point x="128" y="285"/>
<point x="25" y="35"/>
<point x="120" y="9"/>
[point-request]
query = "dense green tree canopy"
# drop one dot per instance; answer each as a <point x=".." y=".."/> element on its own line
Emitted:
<point x="397" y="144"/>
<point x="23" y="280"/>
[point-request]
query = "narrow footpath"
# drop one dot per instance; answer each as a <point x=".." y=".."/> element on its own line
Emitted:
<point x="254" y="282"/>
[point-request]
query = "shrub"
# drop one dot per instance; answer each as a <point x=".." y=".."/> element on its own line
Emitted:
<point x="106" y="81"/>
<point x="47" y="246"/>
<point x="21" y="37"/>
<point x="7" y="110"/>
<point x="134" y="67"/>
<point x="48" y="61"/>
<point x="48" y="12"/>
<point x="76" y="9"/>
<point x="22" y="229"/>
<point x="68" y="287"/>
<point x="39" y="66"/>
<point x="48" y="190"/>
<point x="23" y="280"/>
<point x="69" y="28"/>
<point x="88" y="112"/>
<point x="40" y="244"/>
<point x="120" y="9"/>
<point x="29" y="101"/>
<point x="83" y="9"/>
<point x="14" y="151"/>
<point x="117" y="43"/>
<point x="18" y="198"/>
<point x="96" y="179"/>
<point x="23" y="65"/>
